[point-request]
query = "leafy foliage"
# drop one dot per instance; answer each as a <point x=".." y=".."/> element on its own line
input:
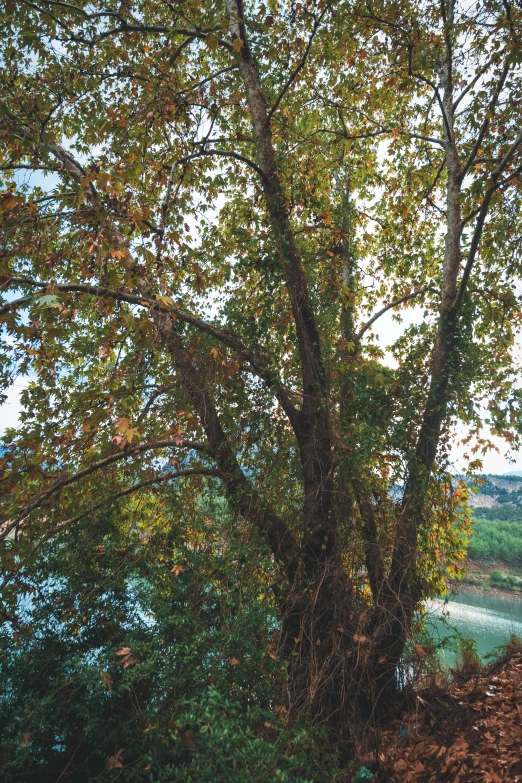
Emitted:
<point x="207" y="207"/>
<point x="150" y="652"/>
<point x="496" y="540"/>
<point x="504" y="513"/>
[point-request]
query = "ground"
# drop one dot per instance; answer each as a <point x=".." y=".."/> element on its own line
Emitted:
<point x="468" y="731"/>
<point x="477" y="579"/>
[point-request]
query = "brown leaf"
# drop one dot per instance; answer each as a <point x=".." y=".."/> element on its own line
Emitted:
<point x="189" y="739"/>
<point x="128" y="657"/>
<point x="115" y="761"/>
<point x="178" y="569"/>
<point x="122" y="424"/>
<point x="107" y="679"/>
<point x="359" y="638"/>
<point x="24" y="742"/>
<point x="234" y="662"/>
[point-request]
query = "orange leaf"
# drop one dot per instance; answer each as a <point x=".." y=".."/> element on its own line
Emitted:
<point x="24" y="742"/>
<point x="178" y="569"/>
<point x="128" y="658"/>
<point x="122" y="424"/>
<point x="115" y="761"/>
<point x="107" y="679"/>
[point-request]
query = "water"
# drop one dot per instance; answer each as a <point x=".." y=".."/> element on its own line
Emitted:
<point x="488" y="620"/>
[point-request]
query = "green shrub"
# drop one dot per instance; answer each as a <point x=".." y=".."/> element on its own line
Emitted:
<point x="505" y="582"/>
<point x="496" y="578"/>
<point x="149" y="657"/>
<point x="494" y="540"/>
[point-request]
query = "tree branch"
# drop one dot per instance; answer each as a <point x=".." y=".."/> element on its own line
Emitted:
<point x="104" y="504"/>
<point x="386" y="131"/>
<point x="485" y="123"/>
<point x="134" y="488"/>
<point x="92" y="468"/>
<point x="228" y="338"/>
<point x="130" y="28"/>
<point x="475" y="79"/>
<point x="296" y="283"/>
<point x="313" y="431"/>
<point x="222" y="153"/>
<point x="387" y="307"/>
<point x="242" y="495"/>
<point x="295" y="73"/>
<point x="433" y="86"/>
<point x="481" y="218"/>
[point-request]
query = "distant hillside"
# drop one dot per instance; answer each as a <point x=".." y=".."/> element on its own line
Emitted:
<point x="499" y="497"/>
<point x="497" y="527"/>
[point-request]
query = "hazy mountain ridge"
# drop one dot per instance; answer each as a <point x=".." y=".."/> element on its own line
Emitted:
<point x="497" y="497"/>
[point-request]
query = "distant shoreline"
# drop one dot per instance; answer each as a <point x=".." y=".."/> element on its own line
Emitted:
<point x="493" y="592"/>
<point x="478" y="575"/>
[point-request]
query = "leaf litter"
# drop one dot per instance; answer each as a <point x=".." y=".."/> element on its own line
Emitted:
<point x="470" y="731"/>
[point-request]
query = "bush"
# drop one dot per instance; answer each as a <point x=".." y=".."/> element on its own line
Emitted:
<point x="496" y="540"/>
<point x="507" y="582"/>
<point x="149" y="656"/>
<point x="468" y="661"/>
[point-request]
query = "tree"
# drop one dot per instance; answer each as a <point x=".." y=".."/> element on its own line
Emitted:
<point x="234" y="195"/>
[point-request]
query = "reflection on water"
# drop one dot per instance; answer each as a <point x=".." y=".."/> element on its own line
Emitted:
<point x="488" y="620"/>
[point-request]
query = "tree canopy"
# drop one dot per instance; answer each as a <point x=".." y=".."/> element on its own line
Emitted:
<point x="206" y="208"/>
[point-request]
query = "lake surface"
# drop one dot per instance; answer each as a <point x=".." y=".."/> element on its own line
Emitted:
<point x="488" y="620"/>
